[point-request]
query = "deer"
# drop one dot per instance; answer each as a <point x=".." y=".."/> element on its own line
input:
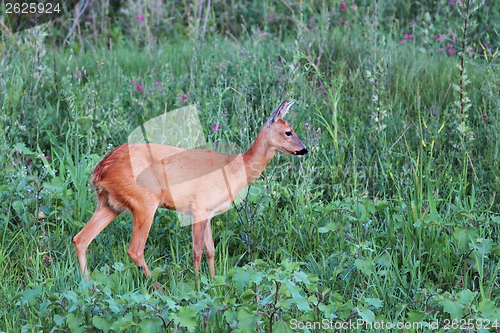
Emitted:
<point x="200" y="183"/>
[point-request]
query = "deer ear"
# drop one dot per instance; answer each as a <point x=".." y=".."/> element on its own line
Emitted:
<point x="280" y="112"/>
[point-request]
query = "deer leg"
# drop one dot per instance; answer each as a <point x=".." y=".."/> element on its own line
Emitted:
<point x="209" y="248"/>
<point x="143" y="219"/>
<point x="199" y="229"/>
<point x="101" y="218"/>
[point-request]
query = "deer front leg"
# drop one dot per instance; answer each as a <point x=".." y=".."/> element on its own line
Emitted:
<point x="199" y="230"/>
<point x="101" y="218"/>
<point x="210" y="248"/>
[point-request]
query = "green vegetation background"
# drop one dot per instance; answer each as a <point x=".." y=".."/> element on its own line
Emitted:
<point x="393" y="215"/>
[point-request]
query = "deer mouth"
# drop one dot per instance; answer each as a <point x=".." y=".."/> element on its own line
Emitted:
<point x="301" y="152"/>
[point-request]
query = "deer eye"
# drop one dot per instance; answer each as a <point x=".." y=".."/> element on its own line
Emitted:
<point x="288" y="133"/>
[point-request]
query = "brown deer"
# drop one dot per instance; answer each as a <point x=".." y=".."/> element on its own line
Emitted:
<point x="197" y="182"/>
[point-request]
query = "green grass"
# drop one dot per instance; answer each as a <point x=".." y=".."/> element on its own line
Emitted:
<point x="393" y="215"/>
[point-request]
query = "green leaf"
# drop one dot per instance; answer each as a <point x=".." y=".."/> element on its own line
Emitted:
<point x="156" y="273"/>
<point x="464" y="236"/>
<point x="55" y="185"/>
<point x="455" y="309"/>
<point x="230" y="316"/>
<point x="248" y="295"/>
<point x="282" y="327"/>
<point x="255" y="276"/>
<point x="123" y="323"/>
<point x="113" y="306"/>
<point x="118" y="266"/>
<point x="59" y="319"/>
<point x="185" y="318"/>
<point x="365" y="266"/>
<point x="415" y="316"/>
<point x="247" y="320"/>
<point x="301" y="276"/>
<point x="74" y="322"/>
<point x="329" y="227"/>
<point x="101" y="323"/>
<point x="240" y="279"/>
<point x="219" y="280"/>
<point x="482" y="246"/>
<point x="328" y="310"/>
<point x="151" y="325"/>
<point x="466" y="297"/>
<point x="30" y="294"/>
<point x="366" y="314"/>
<point x="489" y="310"/>
<point x="21" y="147"/>
<point x="375" y="302"/>
<point x="300" y="300"/>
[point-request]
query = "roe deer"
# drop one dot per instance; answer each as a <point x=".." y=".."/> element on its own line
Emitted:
<point x="196" y="182"/>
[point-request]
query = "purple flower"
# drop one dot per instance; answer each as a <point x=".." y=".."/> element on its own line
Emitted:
<point x="450" y="50"/>
<point x="182" y="98"/>
<point x="139" y="88"/>
<point x="439" y="38"/>
<point x="354" y="6"/>
<point x="80" y="74"/>
<point x="342" y="6"/>
<point x="139" y="18"/>
<point x="157" y="83"/>
<point x="402" y="42"/>
<point x="47" y="158"/>
<point x="483" y="115"/>
<point x="131" y="81"/>
<point x="216" y="127"/>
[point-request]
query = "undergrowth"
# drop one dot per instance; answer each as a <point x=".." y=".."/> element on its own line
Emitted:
<point x="392" y="216"/>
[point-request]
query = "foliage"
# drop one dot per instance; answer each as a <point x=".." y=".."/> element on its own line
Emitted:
<point x="392" y="216"/>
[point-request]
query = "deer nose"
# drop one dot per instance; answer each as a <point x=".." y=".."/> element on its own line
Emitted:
<point x="301" y="152"/>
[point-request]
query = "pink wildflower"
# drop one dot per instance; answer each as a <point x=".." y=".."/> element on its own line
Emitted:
<point x="139" y="18"/>
<point x="157" y="83"/>
<point x="342" y="7"/>
<point x="131" y="81"/>
<point x="483" y="115"/>
<point x="216" y="127"/>
<point x="139" y="88"/>
<point x="47" y="158"/>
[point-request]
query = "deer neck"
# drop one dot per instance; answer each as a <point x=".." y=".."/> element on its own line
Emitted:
<point x="257" y="156"/>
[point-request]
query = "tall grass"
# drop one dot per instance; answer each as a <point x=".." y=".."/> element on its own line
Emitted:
<point x="392" y="216"/>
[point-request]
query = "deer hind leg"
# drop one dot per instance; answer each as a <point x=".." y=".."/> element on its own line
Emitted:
<point x="199" y="230"/>
<point x="143" y="219"/>
<point x="210" y="248"/>
<point x="101" y="218"/>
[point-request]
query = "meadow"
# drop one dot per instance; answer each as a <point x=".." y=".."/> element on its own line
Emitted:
<point x="393" y="216"/>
